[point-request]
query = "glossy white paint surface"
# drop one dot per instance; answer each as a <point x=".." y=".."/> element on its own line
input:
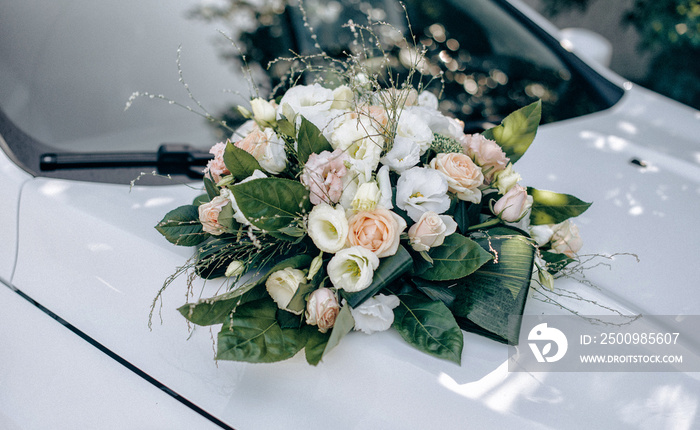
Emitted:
<point x="11" y="180"/>
<point x="52" y="379"/>
<point x="101" y="263"/>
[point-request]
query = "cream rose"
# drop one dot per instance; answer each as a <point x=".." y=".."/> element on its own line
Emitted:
<point x="264" y="112"/>
<point x="283" y="284"/>
<point x="378" y="230"/>
<point x="487" y="154"/>
<point x="430" y="231"/>
<point x="209" y="215"/>
<point x="463" y="176"/>
<point x="352" y="269"/>
<point x="566" y="239"/>
<point x="514" y="204"/>
<point x="375" y="314"/>
<point x="267" y="148"/>
<point x="322" y="309"/>
<point x="328" y="227"/>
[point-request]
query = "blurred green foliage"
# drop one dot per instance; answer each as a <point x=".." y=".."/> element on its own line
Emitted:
<point x="670" y="30"/>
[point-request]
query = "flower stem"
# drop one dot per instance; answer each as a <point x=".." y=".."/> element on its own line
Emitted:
<point x="485" y="224"/>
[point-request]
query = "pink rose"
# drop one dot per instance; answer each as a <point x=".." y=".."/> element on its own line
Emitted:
<point x="216" y="167"/>
<point x="430" y="231"/>
<point x="323" y="175"/>
<point x="322" y="309"/>
<point x="513" y="205"/>
<point x="378" y="231"/>
<point x="463" y="176"/>
<point x="566" y="239"/>
<point x="209" y="215"/>
<point x="487" y="154"/>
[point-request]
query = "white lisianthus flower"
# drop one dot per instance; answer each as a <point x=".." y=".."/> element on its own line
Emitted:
<point x="420" y="190"/>
<point x="352" y="269"/>
<point x="428" y="100"/>
<point x="413" y="127"/>
<point x="375" y="314"/>
<point x="437" y="122"/>
<point x="237" y="214"/>
<point x="403" y="155"/>
<point x="366" y="197"/>
<point x="342" y="98"/>
<point x="306" y="100"/>
<point x="541" y="234"/>
<point x="234" y="269"/>
<point x="385" y="193"/>
<point x="361" y="141"/>
<point x="283" y="284"/>
<point x="328" y="227"/>
<point x="267" y="148"/>
<point x="506" y="178"/>
<point x="264" y="112"/>
<point x="430" y="231"/>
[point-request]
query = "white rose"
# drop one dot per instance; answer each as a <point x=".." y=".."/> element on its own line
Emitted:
<point x="328" y="227"/>
<point x="566" y="239"/>
<point x="375" y="314"/>
<point x="352" y="269"/>
<point x="283" y="284"/>
<point x="322" y="309"/>
<point x="420" y="190"/>
<point x="430" y="231"/>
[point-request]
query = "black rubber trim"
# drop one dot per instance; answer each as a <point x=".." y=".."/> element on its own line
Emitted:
<point x="124" y="363"/>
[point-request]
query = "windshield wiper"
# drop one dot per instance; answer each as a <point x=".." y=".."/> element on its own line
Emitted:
<point x="170" y="159"/>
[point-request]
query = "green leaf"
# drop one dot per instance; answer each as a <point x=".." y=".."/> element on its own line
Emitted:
<point x="549" y="207"/>
<point x="555" y="262"/>
<point x="456" y="258"/>
<point x="226" y="218"/>
<point x="344" y="323"/>
<point x="390" y="269"/>
<point x="285" y="127"/>
<point x="271" y="204"/>
<point x="215" y="310"/>
<point x="315" y="344"/>
<point x="239" y="162"/>
<point x="517" y="130"/>
<point x="200" y="200"/>
<point x="298" y="300"/>
<point x="310" y="141"/>
<point x="487" y="298"/>
<point x="429" y="326"/>
<point x="252" y="334"/>
<point x="181" y="226"/>
<point x="211" y="188"/>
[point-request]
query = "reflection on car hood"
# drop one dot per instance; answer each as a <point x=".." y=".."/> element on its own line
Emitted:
<point x="99" y="264"/>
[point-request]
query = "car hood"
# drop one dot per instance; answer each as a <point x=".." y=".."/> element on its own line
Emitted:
<point x="89" y="253"/>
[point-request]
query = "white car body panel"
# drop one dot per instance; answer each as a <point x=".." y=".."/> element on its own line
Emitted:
<point x="99" y="263"/>
<point x="111" y="263"/>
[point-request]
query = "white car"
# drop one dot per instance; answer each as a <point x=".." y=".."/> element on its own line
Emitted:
<point x="80" y="261"/>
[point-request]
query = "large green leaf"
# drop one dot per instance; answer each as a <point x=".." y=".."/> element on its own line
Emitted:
<point x="181" y="226"/>
<point x="271" y="204"/>
<point x="239" y="162"/>
<point x="252" y="334"/>
<point x="315" y="344"/>
<point x="549" y="207"/>
<point x="310" y="141"/>
<point x="517" y="130"/>
<point x="456" y="258"/>
<point x="215" y="310"/>
<point x="389" y="270"/>
<point x="429" y="326"/>
<point x="487" y="298"/>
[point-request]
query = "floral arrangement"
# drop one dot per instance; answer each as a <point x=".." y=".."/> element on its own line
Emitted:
<point x="365" y="208"/>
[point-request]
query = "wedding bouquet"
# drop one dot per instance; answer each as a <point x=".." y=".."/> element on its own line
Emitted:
<point x="356" y="207"/>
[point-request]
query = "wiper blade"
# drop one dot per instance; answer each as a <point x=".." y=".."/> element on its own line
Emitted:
<point x="170" y="159"/>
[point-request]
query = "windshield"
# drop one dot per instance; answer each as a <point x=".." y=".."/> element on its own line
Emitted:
<point x="69" y="67"/>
